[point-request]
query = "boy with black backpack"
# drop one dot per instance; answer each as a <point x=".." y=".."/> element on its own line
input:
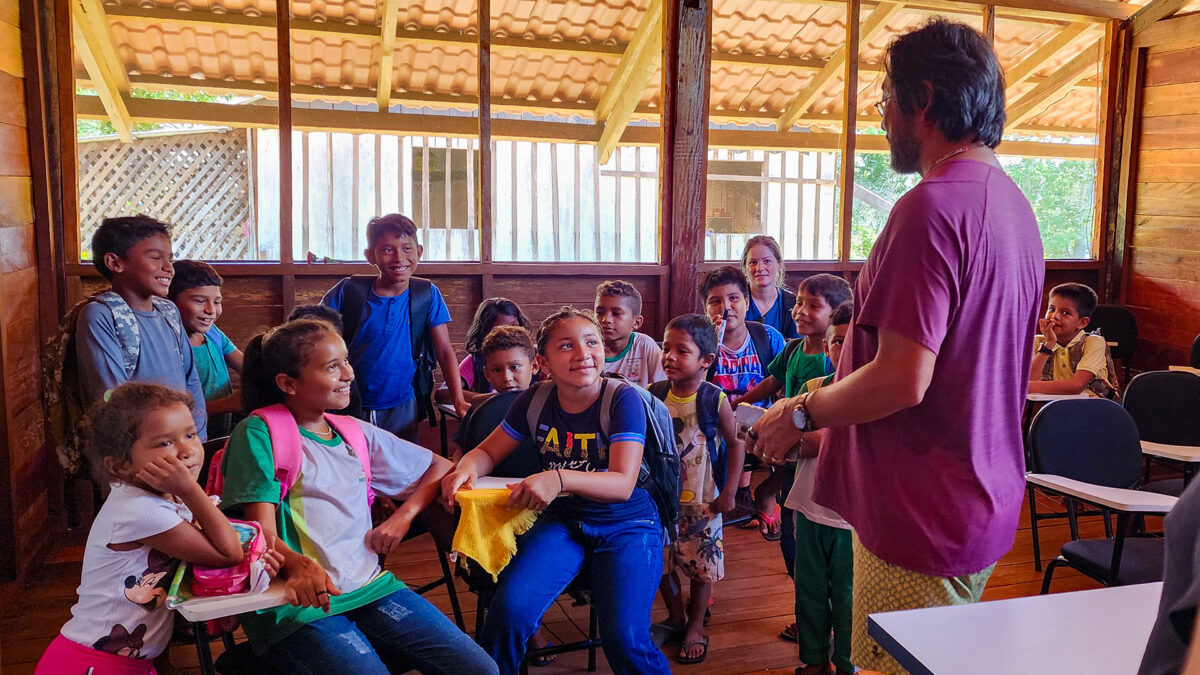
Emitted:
<point x="129" y="333"/>
<point x="395" y="325"/>
<point x="710" y="467"/>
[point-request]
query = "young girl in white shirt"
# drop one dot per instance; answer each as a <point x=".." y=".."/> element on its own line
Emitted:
<point x="157" y="515"/>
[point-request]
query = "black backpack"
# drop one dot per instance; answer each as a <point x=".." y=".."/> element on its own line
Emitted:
<point x="354" y="298"/>
<point x="708" y="418"/>
<point x="660" y="473"/>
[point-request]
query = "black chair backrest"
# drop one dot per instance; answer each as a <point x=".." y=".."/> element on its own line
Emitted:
<point x="1196" y="352"/>
<point x="1117" y="324"/>
<point x="483" y="420"/>
<point x="1088" y="439"/>
<point x="1166" y="407"/>
<point x="211" y="446"/>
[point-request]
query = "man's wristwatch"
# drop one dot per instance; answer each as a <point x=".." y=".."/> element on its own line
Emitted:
<point x="800" y="417"/>
<point x="1045" y="350"/>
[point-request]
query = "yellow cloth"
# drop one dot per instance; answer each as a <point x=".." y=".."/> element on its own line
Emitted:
<point x="488" y="527"/>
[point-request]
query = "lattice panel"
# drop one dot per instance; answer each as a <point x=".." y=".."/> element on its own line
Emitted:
<point x="197" y="182"/>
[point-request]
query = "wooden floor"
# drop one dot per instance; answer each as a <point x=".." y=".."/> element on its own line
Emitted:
<point x="752" y="604"/>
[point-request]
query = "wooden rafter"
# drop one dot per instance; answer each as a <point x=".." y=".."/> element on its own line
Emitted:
<point x="94" y="44"/>
<point x="1100" y="11"/>
<point x="884" y="11"/>
<point x="387" y="54"/>
<point x="634" y="73"/>
<point x="1043" y="95"/>
<point x="1153" y="11"/>
<point x="1030" y="64"/>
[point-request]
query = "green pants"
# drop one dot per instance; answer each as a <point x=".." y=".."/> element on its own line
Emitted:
<point x="824" y="584"/>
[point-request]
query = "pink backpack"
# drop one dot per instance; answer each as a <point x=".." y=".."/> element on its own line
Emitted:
<point x="248" y="575"/>
<point x="285" y="444"/>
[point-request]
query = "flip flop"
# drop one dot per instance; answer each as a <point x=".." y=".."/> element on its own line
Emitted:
<point x="789" y="633"/>
<point x="541" y="659"/>
<point x="772" y="521"/>
<point x="692" y="660"/>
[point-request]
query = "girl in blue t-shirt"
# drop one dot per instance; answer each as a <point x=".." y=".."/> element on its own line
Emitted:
<point x="593" y="513"/>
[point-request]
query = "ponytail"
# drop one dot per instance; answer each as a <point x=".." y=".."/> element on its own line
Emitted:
<point x="258" y="387"/>
<point x="283" y="349"/>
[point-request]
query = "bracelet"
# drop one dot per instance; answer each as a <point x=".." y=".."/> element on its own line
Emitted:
<point x="560" y="482"/>
<point x="802" y="404"/>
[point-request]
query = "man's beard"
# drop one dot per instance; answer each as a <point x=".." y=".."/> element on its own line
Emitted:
<point x="905" y="147"/>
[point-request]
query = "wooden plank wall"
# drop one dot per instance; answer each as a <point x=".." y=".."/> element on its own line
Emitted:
<point x="24" y="457"/>
<point x="1162" y="284"/>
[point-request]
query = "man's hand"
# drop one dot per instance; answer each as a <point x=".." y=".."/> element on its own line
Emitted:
<point x="773" y="435"/>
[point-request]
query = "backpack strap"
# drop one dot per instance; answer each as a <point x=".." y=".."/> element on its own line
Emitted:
<point x="352" y="435"/>
<point x="708" y="416"/>
<point x="788" y="301"/>
<point x="285" y="444"/>
<point x="420" y="297"/>
<point x="660" y="389"/>
<point x="129" y="334"/>
<point x="606" y="400"/>
<point x="540" y="395"/>
<point x="762" y="343"/>
<point x="354" y="298"/>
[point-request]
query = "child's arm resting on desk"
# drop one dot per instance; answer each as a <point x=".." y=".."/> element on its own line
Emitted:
<point x="1078" y="382"/>
<point x="448" y="362"/>
<point x="211" y="540"/>
<point x="478" y="462"/>
<point x="735" y="457"/>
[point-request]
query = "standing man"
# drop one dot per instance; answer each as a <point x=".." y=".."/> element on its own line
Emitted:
<point x="922" y="453"/>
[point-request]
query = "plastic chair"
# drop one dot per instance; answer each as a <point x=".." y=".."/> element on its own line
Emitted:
<point x="1165" y="406"/>
<point x="1117" y="324"/>
<point x="483" y="418"/>
<point x="1087" y="450"/>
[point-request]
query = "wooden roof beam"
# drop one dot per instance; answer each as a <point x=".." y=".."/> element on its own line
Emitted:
<point x="634" y="73"/>
<point x="1100" y="11"/>
<point x="387" y="54"/>
<point x="1031" y="63"/>
<point x="1154" y="11"/>
<point x="1043" y="95"/>
<point x="883" y="13"/>
<point x="94" y="43"/>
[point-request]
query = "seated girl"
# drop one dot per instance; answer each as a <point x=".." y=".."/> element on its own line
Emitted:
<point x="593" y="513"/>
<point x="345" y="614"/>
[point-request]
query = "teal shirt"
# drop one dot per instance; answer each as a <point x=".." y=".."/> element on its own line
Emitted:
<point x="210" y="364"/>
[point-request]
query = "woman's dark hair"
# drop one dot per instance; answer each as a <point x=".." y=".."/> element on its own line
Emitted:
<point x="566" y="312"/>
<point x="723" y="276"/>
<point x="485" y="320"/>
<point x="968" y="92"/>
<point x="114" y="423"/>
<point x="283" y="349"/>
<point x="118" y="235"/>
<point x="192" y="274"/>
<point x="701" y="329"/>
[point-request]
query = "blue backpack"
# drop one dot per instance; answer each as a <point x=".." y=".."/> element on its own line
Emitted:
<point x="708" y="406"/>
<point x="660" y="473"/>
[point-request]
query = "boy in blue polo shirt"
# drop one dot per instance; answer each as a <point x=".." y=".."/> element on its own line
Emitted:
<point x="391" y="360"/>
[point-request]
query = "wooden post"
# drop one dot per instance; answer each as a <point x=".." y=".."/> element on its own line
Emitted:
<point x="989" y="24"/>
<point x="687" y="49"/>
<point x="1101" y="237"/>
<point x="849" y="128"/>
<point x="287" y="257"/>
<point x="485" y="138"/>
<point x="1124" y="172"/>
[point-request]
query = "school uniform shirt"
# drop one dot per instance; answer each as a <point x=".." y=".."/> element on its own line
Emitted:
<point x="739" y="370"/>
<point x="381" y="350"/>
<point x="775" y="317"/>
<point x="123" y="594"/>
<point x="164" y="357"/>
<point x="209" y="358"/>
<point x="577" y="442"/>
<point x="640" y="362"/>
<point x="324" y="515"/>
<point x="1094" y="359"/>
<point x="800" y="368"/>
<point x="799" y="498"/>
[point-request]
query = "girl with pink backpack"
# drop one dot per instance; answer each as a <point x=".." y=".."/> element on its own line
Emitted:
<point x="309" y="477"/>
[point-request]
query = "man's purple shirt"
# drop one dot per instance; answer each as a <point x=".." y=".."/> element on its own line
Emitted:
<point x="937" y="488"/>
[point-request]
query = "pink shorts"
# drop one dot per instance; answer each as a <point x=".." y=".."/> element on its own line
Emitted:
<point x="65" y="657"/>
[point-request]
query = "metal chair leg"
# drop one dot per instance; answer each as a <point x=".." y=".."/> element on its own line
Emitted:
<point x="1049" y="576"/>
<point x="448" y="575"/>
<point x="593" y="632"/>
<point x="1033" y="521"/>
<point x="1072" y="522"/>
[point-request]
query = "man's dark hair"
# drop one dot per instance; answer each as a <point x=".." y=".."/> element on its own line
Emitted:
<point x="192" y="274"/>
<point x="701" y="329"/>
<point x="841" y="315"/>
<point x="319" y="312"/>
<point x="723" y="276"/>
<point x="619" y="288"/>
<point x="1082" y="295"/>
<point x="392" y="223"/>
<point x="118" y="235"/>
<point x="834" y="289"/>
<point x="968" y="92"/>
<point x="503" y="338"/>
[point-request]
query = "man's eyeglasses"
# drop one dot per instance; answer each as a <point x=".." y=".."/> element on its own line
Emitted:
<point x="881" y="106"/>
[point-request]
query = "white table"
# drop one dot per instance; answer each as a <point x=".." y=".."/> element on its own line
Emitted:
<point x="200" y="610"/>
<point x="1189" y="455"/>
<point x="1098" y="632"/>
<point x="1045" y="398"/>
<point x="1119" y="499"/>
